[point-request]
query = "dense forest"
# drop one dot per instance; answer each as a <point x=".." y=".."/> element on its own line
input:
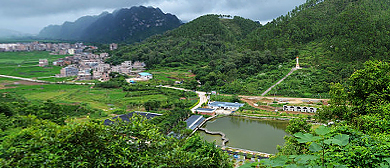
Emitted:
<point x="332" y="38"/>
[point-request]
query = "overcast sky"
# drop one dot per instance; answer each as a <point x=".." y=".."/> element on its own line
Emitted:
<point x="30" y="16"/>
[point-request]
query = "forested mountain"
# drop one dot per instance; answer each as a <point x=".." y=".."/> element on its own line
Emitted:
<point x="124" y="25"/>
<point x="332" y="38"/>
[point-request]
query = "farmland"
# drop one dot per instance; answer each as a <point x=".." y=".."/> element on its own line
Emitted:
<point x="25" y="64"/>
<point x="106" y="99"/>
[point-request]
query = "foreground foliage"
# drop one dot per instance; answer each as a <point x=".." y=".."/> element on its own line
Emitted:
<point x="359" y="136"/>
<point x="136" y="143"/>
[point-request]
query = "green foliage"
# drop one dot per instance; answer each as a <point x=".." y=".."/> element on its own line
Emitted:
<point x="362" y="140"/>
<point x="338" y="108"/>
<point x="171" y="119"/>
<point x="223" y="98"/>
<point x="292" y="146"/>
<point x="369" y="87"/>
<point x="338" y="146"/>
<point x="49" y="110"/>
<point x="298" y="125"/>
<point x="136" y="143"/>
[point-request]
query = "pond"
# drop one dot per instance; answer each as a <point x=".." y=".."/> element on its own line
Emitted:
<point x="247" y="133"/>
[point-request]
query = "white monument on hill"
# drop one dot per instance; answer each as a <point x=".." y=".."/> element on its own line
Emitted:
<point x="297" y="65"/>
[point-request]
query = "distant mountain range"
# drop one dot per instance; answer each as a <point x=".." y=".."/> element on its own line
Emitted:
<point x="124" y="25"/>
<point x="5" y="33"/>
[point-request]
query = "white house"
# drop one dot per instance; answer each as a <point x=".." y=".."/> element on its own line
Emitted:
<point x="300" y="109"/>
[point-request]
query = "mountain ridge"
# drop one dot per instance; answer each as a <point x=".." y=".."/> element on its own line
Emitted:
<point x="123" y="25"/>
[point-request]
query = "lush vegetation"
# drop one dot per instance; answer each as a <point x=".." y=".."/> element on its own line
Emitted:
<point x="359" y="135"/>
<point x="137" y="143"/>
<point x="45" y="133"/>
<point x="332" y="38"/>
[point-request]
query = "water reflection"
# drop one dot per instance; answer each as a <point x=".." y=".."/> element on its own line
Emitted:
<point x="247" y="133"/>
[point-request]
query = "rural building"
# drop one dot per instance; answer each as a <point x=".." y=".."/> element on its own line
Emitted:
<point x="139" y="65"/>
<point x="43" y="62"/>
<point x="127" y="64"/>
<point x="59" y="63"/>
<point x="205" y="111"/>
<point x="71" y="51"/>
<point x="69" y="71"/>
<point x="145" y="75"/>
<point x="225" y="105"/>
<point x="126" y="117"/>
<point x="84" y="74"/>
<point x="113" y="46"/>
<point x="300" y="109"/>
<point x="194" y="121"/>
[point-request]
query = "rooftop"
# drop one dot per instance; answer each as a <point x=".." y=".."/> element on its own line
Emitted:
<point x="226" y="104"/>
<point x="194" y="121"/>
<point x="205" y="109"/>
<point x="144" y="74"/>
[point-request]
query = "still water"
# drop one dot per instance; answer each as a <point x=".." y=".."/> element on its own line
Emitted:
<point x="247" y="133"/>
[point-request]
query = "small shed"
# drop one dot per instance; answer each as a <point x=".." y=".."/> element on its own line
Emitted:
<point x="194" y="121"/>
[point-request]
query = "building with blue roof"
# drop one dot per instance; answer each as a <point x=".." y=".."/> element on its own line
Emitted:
<point x="225" y="105"/>
<point x="145" y="75"/>
<point x="194" y="121"/>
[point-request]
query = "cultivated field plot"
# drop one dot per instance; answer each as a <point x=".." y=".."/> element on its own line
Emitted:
<point x="25" y="64"/>
<point x="106" y="99"/>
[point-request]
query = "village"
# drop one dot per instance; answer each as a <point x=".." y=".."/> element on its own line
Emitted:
<point x="88" y="66"/>
<point x="54" y="48"/>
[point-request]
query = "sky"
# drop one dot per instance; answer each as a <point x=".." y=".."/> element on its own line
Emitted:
<point x="30" y="16"/>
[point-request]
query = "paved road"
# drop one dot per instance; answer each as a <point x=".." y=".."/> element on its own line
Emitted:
<point x="202" y="99"/>
<point x="202" y="96"/>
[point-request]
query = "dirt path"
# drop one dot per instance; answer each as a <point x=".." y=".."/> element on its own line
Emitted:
<point x="262" y="107"/>
<point x="252" y="100"/>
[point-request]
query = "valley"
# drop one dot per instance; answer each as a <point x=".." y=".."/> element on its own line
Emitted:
<point x="308" y="89"/>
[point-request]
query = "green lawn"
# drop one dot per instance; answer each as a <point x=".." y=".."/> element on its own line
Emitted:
<point x="24" y="64"/>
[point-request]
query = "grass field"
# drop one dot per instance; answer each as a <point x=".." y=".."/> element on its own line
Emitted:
<point x="24" y="64"/>
<point x="99" y="98"/>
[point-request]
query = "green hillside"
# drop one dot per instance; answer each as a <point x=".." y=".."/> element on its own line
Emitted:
<point x="332" y="38"/>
